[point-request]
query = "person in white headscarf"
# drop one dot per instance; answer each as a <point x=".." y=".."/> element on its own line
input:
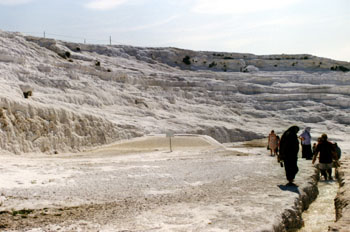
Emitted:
<point x="305" y="138"/>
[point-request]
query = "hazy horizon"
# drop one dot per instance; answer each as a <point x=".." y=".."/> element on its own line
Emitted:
<point x="251" y="26"/>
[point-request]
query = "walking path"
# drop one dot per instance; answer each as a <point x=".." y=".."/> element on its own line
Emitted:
<point x="321" y="212"/>
<point x="140" y="186"/>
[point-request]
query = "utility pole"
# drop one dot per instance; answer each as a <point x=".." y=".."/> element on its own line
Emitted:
<point x="44" y="34"/>
<point x="110" y="40"/>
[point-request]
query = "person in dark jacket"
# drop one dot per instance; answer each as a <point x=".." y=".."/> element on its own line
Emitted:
<point x="327" y="155"/>
<point x="337" y="150"/>
<point x="289" y="148"/>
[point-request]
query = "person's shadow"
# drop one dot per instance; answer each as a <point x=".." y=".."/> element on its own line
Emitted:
<point x="293" y="189"/>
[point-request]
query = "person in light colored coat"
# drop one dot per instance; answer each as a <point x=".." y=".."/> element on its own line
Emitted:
<point x="305" y="138"/>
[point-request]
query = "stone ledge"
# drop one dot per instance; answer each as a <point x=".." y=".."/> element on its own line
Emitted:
<point x="342" y="200"/>
<point x="292" y="218"/>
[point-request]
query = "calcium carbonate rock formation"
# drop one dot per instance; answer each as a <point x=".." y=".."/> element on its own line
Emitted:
<point x="58" y="96"/>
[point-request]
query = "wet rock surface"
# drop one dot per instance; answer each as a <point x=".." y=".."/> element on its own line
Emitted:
<point x="343" y="198"/>
<point x="321" y="213"/>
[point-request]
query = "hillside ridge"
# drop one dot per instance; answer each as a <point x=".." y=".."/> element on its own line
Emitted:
<point x="59" y="96"/>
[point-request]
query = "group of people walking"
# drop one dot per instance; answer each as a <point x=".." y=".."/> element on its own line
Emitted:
<point x="286" y="149"/>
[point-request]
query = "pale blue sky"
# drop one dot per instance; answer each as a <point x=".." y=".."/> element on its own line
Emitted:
<point x="318" y="27"/>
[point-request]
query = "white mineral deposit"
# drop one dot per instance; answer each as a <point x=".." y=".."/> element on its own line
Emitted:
<point x="84" y="145"/>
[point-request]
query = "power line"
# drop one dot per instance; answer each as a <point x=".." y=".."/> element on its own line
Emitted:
<point x="45" y="34"/>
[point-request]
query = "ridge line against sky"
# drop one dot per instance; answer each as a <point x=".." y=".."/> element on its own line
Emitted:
<point x="319" y="28"/>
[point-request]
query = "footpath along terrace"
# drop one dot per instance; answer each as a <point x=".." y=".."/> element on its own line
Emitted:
<point x="139" y="185"/>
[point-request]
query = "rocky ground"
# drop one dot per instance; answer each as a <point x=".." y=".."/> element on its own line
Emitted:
<point x="59" y="99"/>
<point x="343" y="198"/>
<point x="141" y="186"/>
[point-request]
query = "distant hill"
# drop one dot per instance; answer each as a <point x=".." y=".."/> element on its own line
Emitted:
<point x="57" y="96"/>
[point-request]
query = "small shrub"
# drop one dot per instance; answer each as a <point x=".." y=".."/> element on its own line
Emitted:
<point x="27" y="94"/>
<point x="78" y="49"/>
<point x="64" y="55"/>
<point x="343" y="69"/>
<point x="22" y="212"/>
<point x="67" y="54"/>
<point x="97" y="63"/>
<point x="340" y="68"/>
<point x="187" y="60"/>
<point x="212" y="64"/>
